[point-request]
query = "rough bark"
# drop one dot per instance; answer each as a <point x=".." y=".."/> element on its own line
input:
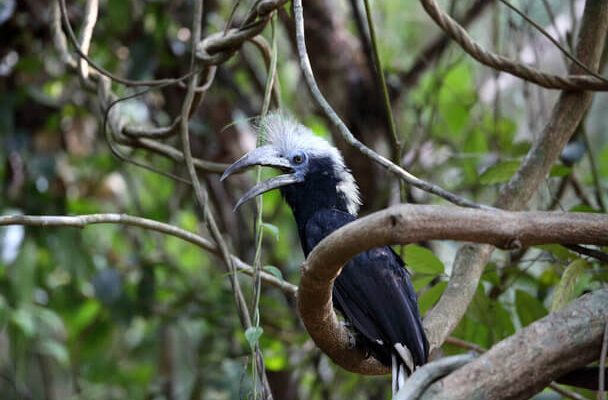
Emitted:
<point x="413" y="223"/>
<point x="566" y="116"/>
<point x="528" y="361"/>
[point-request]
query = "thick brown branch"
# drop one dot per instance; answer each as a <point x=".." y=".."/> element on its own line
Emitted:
<point x="528" y="361"/>
<point x="413" y="223"/>
<point x="566" y="116"/>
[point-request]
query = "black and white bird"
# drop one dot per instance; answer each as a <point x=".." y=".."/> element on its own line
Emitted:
<point x="373" y="292"/>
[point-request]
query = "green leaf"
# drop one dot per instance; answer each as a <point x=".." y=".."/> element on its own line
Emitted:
<point x="499" y="173"/>
<point x="4" y="311"/>
<point x="559" y="171"/>
<point x="271" y="269"/>
<point x="252" y="334"/>
<point x="422" y="260"/>
<point x="529" y="308"/>
<point x="485" y="311"/>
<point x="430" y="297"/>
<point x="421" y="281"/>
<point x="55" y="350"/>
<point x="564" y="292"/>
<point x="272" y="229"/>
<point x="85" y="316"/>
<point x="24" y="320"/>
<point x="556" y="250"/>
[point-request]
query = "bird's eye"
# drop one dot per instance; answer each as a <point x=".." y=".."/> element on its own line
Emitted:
<point x="298" y="158"/>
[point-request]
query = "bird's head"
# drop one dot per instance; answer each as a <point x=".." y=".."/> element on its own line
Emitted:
<point x="314" y="171"/>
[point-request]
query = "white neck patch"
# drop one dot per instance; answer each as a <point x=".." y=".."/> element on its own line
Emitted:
<point x="287" y="135"/>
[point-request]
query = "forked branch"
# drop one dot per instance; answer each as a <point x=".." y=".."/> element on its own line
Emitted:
<point x="413" y="223"/>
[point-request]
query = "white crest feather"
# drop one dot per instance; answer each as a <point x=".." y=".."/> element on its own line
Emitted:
<point x="286" y="134"/>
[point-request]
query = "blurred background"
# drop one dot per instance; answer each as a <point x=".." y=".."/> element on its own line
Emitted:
<point x="114" y="312"/>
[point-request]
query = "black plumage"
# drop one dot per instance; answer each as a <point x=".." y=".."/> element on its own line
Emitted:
<point x="373" y="291"/>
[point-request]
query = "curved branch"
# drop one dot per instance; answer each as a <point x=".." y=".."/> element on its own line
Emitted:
<point x="413" y="223"/>
<point x="82" y="221"/>
<point x="528" y="361"/>
<point x="501" y="63"/>
<point x="347" y="134"/>
<point x="423" y="377"/>
<point x="220" y="46"/>
<point x="566" y="116"/>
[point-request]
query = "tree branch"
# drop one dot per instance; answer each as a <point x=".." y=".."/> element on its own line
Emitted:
<point x="528" y="361"/>
<point x="566" y="117"/>
<point x="347" y="134"/>
<point x="423" y="377"/>
<point x="413" y="223"/>
<point x="82" y="221"/>
<point x="501" y="63"/>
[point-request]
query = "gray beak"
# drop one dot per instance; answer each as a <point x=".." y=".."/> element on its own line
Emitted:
<point x="266" y="156"/>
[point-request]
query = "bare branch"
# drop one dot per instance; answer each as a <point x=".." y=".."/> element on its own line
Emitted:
<point x="423" y="377"/>
<point x="346" y="133"/>
<point x="566" y="117"/>
<point x="82" y="221"/>
<point x="438" y="46"/>
<point x="91" y="11"/>
<point x="601" y="393"/>
<point x="528" y="361"/>
<point x="74" y="41"/>
<point x="219" y="47"/>
<point x="501" y="63"/>
<point x="413" y="223"/>
<point x="472" y="346"/>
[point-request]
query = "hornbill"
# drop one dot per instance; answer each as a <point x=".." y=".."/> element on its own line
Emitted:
<point x="373" y="292"/>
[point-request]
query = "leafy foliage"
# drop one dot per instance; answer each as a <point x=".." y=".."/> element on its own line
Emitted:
<point x="110" y="312"/>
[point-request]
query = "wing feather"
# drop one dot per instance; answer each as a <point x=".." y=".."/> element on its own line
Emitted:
<point x="374" y="293"/>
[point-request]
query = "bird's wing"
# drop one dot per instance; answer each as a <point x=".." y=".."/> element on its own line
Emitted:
<point x="375" y="294"/>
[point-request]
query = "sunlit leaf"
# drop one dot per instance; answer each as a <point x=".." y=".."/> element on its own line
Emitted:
<point x="421" y="281"/>
<point x="25" y="321"/>
<point x="86" y="314"/>
<point x="529" y="308"/>
<point x="272" y="229"/>
<point x="564" y="292"/>
<point x="56" y="350"/>
<point x="556" y="250"/>
<point x="560" y="170"/>
<point x="252" y="334"/>
<point x="430" y="297"/>
<point x="422" y="260"/>
<point x="499" y="173"/>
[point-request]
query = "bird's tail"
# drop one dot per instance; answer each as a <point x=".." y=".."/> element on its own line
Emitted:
<point x="402" y="366"/>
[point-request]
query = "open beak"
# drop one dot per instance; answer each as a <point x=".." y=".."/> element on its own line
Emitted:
<point x="266" y="156"/>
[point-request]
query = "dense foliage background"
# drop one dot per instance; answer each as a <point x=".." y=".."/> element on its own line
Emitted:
<point x="116" y="312"/>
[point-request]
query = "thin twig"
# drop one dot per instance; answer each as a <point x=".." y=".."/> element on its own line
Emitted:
<point x="599" y="195"/>
<point x="202" y="197"/>
<point x="601" y="393"/>
<point x="569" y="110"/>
<point x="380" y="75"/>
<point x="345" y="132"/>
<point x="82" y="221"/>
<point x="597" y="254"/>
<point x="557" y="44"/>
<point x="100" y="70"/>
<point x="86" y="34"/>
<point x="523" y="71"/>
